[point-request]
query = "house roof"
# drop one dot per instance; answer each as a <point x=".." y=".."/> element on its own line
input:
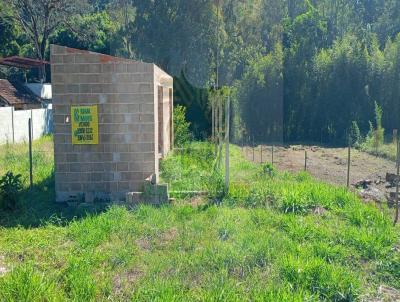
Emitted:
<point x="16" y="95"/>
<point x="21" y="62"/>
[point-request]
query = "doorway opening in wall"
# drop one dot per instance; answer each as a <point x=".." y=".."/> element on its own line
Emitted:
<point x="160" y="121"/>
<point x="171" y="120"/>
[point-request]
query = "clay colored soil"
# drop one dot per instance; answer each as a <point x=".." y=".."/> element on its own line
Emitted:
<point x="327" y="164"/>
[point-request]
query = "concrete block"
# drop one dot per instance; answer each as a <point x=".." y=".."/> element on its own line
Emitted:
<point x="134" y="198"/>
<point x="99" y="88"/>
<point x="121" y="67"/>
<point x="71" y="88"/>
<point x="116" y="157"/>
<point x="69" y="59"/>
<point x="56" y="59"/>
<point x="85" y="88"/>
<point x="123" y="167"/>
<point x="108" y="68"/>
<point x="58" y="88"/>
<point x="87" y="58"/>
<point x="71" y="68"/>
<point x="56" y="49"/>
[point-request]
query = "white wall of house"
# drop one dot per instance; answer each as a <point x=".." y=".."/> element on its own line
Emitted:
<point x="14" y="124"/>
<point x="41" y="90"/>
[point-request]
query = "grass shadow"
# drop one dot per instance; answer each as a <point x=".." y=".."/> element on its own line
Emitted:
<point x="37" y="207"/>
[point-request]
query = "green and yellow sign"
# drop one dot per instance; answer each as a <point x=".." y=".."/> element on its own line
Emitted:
<point x="85" y="125"/>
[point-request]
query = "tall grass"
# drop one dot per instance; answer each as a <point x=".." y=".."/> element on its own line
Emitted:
<point x="386" y="150"/>
<point x="16" y="158"/>
<point x="262" y="242"/>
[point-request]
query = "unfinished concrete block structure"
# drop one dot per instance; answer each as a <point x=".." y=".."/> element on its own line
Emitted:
<point x="127" y="129"/>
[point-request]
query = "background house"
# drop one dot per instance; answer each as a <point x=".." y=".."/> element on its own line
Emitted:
<point x="24" y="94"/>
<point x="18" y="96"/>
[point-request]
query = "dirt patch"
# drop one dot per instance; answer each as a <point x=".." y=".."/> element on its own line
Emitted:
<point x="3" y="268"/>
<point x="144" y="243"/>
<point x="384" y="294"/>
<point x="123" y="281"/>
<point x="168" y="236"/>
<point x="328" y="164"/>
<point x="161" y="239"/>
<point x="320" y="211"/>
<point x="197" y="201"/>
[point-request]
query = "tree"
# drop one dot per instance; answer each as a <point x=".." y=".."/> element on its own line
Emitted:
<point x="93" y="32"/>
<point x="8" y="37"/>
<point x="258" y="98"/>
<point x="178" y="35"/>
<point x="123" y="15"/>
<point x="40" y="18"/>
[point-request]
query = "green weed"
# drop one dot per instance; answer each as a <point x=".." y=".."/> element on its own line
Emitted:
<point x="262" y="241"/>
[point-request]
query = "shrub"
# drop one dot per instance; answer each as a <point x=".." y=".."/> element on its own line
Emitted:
<point x="182" y="134"/>
<point x="380" y="131"/>
<point x="355" y="134"/>
<point x="269" y="169"/>
<point x="376" y="134"/>
<point x="10" y="186"/>
<point x="215" y="186"/>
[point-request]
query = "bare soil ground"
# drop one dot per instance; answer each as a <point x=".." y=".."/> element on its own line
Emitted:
<point x="327" y="164"/>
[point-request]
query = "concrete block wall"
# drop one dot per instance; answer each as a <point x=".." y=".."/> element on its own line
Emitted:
<point x="14" y="124"/>
<point x="127" y="150"/>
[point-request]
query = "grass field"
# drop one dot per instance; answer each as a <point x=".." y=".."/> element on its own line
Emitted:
<point x="274" y="237"/>
<point x="387" y="150"/>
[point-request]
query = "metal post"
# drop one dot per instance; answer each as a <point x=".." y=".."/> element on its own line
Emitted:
<point x="227" y="116"/>
<point x="220" y="130"/>
<point x="253" y="148"/>
<point x="305" y="160"/>
<point x="12" y="125"/>
<point x="30" y="153"/>
<point x="212" y="121"/>
<point x="215" y="127"/>
<point x="348" y="163"/>
<point x="396" y="218"/>
<point x="272" y="159"/>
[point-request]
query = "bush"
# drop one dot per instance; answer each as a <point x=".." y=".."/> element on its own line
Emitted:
<point x="375" y="137"/>
<point x="380" y="131"/>
<point x="10" y="186"/>
<point x="182" y="134"/>
<point x="355" y="135"/>
<point x="269" y="169"/>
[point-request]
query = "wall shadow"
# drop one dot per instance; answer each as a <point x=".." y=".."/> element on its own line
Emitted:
<point x="37" y="207"/>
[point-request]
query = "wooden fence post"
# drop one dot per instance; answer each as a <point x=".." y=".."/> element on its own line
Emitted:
<point x="227" y="116"/>
<point x="253" y="148"/>
<point x="272" y="155"/>
<point x="396" y="218"/>
<point x="305" y="160"/>
<point x="348" y="163"/>
<point x="30" y="153"/>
